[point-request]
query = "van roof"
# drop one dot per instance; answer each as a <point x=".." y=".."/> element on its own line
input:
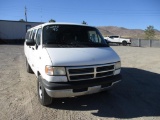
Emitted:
<point x="56" y="23"/>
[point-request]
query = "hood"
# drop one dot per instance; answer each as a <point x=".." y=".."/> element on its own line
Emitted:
<point x="82" y="56"/>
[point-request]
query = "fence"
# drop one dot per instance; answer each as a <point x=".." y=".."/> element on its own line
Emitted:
<point x="134" y="42"/>
<point x="145" y="43"/>
<point x="13" y="41"/>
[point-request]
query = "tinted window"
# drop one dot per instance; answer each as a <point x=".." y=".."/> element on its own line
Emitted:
<point x="116" y="36"/>
<point x="113" y="36"/>
<point x="94" y="37"/>
<point x="30" y="34"/>
<point x="27" y="35"/>
<point x="38" y="36"/>
<point x="73" y="34"/>
<point x="33" y="34"/>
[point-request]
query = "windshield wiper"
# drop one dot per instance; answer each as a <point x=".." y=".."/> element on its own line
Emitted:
<point x="93" y="44"/>
<point x="74" y="44"/>
<point x="61" y="45"/>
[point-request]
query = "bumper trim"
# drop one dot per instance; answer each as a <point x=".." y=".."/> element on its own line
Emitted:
<point x="69" y="92"/>
<point x="80" y="84"/>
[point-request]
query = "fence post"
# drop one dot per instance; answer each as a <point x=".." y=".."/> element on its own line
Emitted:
<point x="139" y="42"/>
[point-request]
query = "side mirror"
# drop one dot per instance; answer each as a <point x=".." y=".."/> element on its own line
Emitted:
<point x="30" y="42"/>
<point x="107" y="41"/>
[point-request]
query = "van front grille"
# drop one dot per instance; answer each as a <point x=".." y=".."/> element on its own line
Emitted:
<point x="89" y="72"/>
<point x="83" y="70"/>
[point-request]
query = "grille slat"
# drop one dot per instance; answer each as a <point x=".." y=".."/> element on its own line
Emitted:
<point x="78" y="77"/>
<point x="89" y="72"/>
<point x="81" y="71"/>
<point x="104" y="74"/>
<point x="105" y="71"/>
<point x="105" y="68"/>
<point x="80" y="74"/>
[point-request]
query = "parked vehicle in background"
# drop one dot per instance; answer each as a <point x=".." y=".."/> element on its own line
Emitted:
<point x="70" y="60"/>
<point x="118" y="39"/>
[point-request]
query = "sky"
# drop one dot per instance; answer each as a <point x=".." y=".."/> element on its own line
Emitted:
<point x="131" y="14"/>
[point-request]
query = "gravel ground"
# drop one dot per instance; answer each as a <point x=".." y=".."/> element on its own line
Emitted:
<point x="136" y="97"/>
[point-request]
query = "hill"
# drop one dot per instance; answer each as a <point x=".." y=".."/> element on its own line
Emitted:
<point x="128" y="33"/>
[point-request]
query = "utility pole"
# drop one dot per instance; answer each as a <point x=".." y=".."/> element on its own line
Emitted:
<point x="25" y="13"/>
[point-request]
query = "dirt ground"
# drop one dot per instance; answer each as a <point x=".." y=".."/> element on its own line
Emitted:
<point x="136" y="97"/>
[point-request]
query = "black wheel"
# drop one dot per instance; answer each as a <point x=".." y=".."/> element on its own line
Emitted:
<point x="124" y="43"/>
<point x="29" y="69"/>
<point x="43" y="97"/>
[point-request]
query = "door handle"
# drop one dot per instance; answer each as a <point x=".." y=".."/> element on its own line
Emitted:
<point x="32" y="48"/>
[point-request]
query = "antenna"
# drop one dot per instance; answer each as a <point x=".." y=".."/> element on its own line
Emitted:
<point x="41" y="14"/>
<point x="25" y="13"/>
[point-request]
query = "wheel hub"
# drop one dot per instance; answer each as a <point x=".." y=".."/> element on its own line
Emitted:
<point x="40" y="91"/>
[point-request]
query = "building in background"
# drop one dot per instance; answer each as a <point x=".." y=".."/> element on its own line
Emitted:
<point x="14" y="31"/>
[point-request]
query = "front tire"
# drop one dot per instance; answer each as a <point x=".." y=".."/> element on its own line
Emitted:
<point x="29" y="69"/>
<point x="124" y="43"/>
<point x="43" y="97"/>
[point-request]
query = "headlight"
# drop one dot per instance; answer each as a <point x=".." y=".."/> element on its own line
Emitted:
<point x="118" y="65"/>
<point x="55" y="70"/>
<point x="117" y="68"/>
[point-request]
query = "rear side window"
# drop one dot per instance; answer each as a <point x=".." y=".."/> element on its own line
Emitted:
<point x="30" y="34"/>
<point x="38" y="36"/>
<point x="27" y="35"/>
<point x="115" y="36"/>
<point x="33" y="34"/>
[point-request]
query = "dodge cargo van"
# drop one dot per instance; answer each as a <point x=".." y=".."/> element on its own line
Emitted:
<point x="69" y="60"/>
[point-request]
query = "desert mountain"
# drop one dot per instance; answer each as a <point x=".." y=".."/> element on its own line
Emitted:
<point x="128" y="33"/>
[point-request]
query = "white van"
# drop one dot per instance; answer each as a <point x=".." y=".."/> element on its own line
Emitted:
<point x="69" y="60"/>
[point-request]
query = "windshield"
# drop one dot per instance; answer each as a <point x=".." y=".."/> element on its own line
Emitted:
<point x="72" y="35"/>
